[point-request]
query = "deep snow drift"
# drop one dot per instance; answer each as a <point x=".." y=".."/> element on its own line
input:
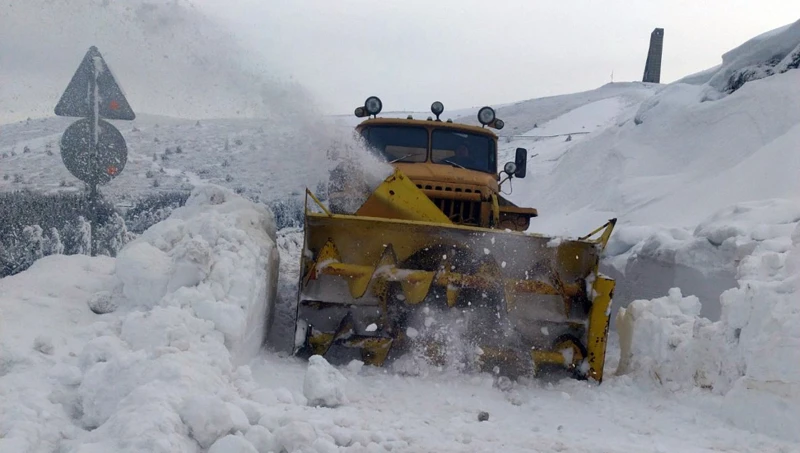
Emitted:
<point x="141" y="352"/>
<point x="751" y="355"/>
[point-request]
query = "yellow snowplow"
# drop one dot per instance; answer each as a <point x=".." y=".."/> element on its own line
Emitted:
<point x="436" y="262"/>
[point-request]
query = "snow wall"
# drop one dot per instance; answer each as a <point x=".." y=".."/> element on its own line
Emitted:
<point x="216" y="256"/>
<point x="751" y="355"/>
<point x="142" y="352"/>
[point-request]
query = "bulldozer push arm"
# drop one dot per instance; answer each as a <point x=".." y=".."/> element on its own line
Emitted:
<point x="362" y="273"/>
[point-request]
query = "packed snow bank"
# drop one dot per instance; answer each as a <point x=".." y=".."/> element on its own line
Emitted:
<point x="773" y="52"/>
<point x="751" y="355"/>
<point x="159" y="373"/>
<point x="523" y="116"/>
<point x="217" y="255"/>
<point x="647" y="261"/>
<point x="47" y="305"/>
<point x="675" y="153"/>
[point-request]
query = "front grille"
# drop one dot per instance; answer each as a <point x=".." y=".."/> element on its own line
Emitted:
<point x="463" y="212"/>
<point x="460" y="211"/>
<point x="446" y="188"/>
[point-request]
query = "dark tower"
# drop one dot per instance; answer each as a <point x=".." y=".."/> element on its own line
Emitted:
<point x="652" y="69"/>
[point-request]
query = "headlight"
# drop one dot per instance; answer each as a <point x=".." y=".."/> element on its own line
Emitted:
<point x="373" y="105"/>
<point x="437" y="108"/>
<point x="486" y="115"/>
<point x="498" y="124"/>
<point x="510" y="168"/>
<point x="360" y="112"/>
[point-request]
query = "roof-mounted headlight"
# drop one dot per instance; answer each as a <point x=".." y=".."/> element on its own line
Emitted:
<point x="499" y="124"/>
<point x="437" y="108"/>
<point x="360" y="112"/>
<point x="486" y="115"/>
<point x="373" y="105"/>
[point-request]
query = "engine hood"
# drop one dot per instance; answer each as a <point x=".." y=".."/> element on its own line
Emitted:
<point x="447" y="174"/>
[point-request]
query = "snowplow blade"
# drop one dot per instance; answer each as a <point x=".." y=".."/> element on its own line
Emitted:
<point x="364" y="277"/>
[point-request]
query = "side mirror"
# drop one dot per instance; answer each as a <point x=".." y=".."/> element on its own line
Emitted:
<point x="521" y="162"/>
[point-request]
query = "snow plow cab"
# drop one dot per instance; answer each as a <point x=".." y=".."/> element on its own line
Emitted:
<point x="438" y="264"/>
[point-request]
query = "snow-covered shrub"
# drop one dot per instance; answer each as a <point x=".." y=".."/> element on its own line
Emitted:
<point x="36" y="224"/>
<point x="52" y="243"/>
<point x="76" y="237"/>
<point x="288" y="212"/>
<point x="153" y="208"/>
<point x="22" y="249"/>
<point x="112" y="236"/>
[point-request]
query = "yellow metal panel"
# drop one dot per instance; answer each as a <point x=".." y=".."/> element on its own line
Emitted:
<point x="320" y="342"/>
<point x="599" y="317"/>
<point x="452" y="295"/>
<point x="399" y="198"/>
<point x="415" y="291"/>
<point x="495" y="210"/>
<point x="547" y="358"/>
<point x="364" y="241"/>
<point x="374" y="350"/>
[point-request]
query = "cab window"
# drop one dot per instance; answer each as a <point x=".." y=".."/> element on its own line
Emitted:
<point x="466" y="150"/>
<point x="398" y="143"/>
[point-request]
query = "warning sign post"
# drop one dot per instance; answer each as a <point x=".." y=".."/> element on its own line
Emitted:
<point x="92" y="149"/>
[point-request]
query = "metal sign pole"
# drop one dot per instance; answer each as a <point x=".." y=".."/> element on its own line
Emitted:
<point x="93" y="118"/>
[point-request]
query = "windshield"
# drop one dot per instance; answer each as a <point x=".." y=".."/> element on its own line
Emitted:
<point x="472" y="151"/>
<point x="398" y="143"/>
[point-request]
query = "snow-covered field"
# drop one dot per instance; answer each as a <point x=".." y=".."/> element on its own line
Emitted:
<point x="159" y="349"/>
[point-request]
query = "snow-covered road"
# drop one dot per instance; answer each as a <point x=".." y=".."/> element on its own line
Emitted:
<point x="438" y="412"/>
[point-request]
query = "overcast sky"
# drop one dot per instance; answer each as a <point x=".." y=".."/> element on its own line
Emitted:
<point x="469" y="52"/>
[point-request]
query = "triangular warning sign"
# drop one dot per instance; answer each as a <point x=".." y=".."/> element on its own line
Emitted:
<point x="76" y="100"/>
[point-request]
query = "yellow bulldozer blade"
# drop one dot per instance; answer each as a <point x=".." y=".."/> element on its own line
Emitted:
<point x="532" y="298"/>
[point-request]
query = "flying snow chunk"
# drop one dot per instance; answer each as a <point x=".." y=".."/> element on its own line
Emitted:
<point x="324" y="385"/>
<point x="372" y="327"/>
<point x="355" y="366"/>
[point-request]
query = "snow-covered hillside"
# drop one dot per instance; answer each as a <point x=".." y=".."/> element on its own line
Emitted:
<point x="696" y="175"/>
<point x="168" y="57"/>
<point x="166" y="154"/>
